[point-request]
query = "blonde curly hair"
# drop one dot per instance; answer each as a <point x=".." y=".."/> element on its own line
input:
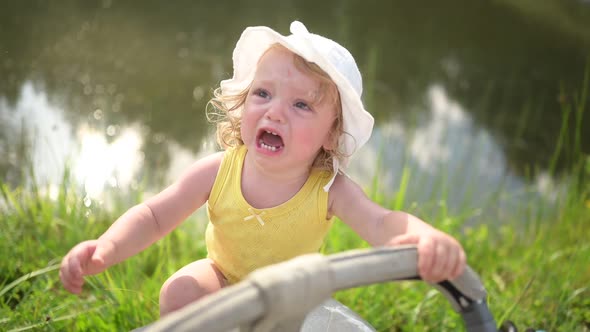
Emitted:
<point x="226" y="111"/>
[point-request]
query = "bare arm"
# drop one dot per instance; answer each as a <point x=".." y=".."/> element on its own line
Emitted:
<point x="374" y="223"/>
<point x="440" y="255"/>
<point x="141" y="225"/>
<point x="147" y="222"/>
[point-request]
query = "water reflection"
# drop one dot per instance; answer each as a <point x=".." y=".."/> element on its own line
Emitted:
<point x="449" y="157"/>
<point x="446" y="145"/>
<point x="37" y="130"/>
<point x="465" y="93"/>
<point x="100" y="163"/>
<point x="99" y="158"/>
<point x="53" y="143"/>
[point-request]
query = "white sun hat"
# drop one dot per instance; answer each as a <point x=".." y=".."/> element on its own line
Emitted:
<point x="330" y="56"/>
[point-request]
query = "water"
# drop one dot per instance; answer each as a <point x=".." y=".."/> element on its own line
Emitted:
<point x="465" y="94"/>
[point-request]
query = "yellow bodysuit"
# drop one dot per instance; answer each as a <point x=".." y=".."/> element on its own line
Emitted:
<point x="241" y="238"/>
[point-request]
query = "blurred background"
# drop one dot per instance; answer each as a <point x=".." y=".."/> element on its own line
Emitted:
<point x="468" y="96"/>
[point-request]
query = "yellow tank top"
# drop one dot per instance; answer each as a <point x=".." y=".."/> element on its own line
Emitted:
<point x="241" y="238"/>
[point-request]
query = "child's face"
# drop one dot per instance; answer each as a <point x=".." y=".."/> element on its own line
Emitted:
<point x="282" y="121"/>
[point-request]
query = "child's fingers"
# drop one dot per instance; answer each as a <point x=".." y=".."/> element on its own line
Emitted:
<point x="426" y="254"/>
<point x="101" y="257"/>
<point x="460" y="264"/>
<point x="71" y="283"/>
<point x="75" y="271"/>
<point x="67" y="270"/>
<point x="440" y="262"/>
<point x="436" y="261"/>
<point x="426" y="251"/>
<point x="77" y="259"/>
<point x="74" y="266"/>
<point x="64" y="277"/>
<point x="450" y="263"/>
<point x="452" y="260"/>
<point x="72" y="288"/>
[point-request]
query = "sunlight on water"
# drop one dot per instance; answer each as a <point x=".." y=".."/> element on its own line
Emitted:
<point x="53" y="143"/>
<point x="450" y="157"/>
<point x="100" y="163"/>
<point x="46" y="129"/>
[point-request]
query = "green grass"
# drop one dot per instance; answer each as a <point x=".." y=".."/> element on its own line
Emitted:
<point x="535" y="276"/>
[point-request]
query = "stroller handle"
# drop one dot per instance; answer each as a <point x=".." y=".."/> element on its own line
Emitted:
<point x="277" y="297"/>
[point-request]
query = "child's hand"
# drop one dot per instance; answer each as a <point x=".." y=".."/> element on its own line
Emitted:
<point x="84" y="259"/>
<point x="440" y="257"/>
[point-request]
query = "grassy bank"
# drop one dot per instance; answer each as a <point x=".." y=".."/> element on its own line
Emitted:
<point x="536" y="275"/>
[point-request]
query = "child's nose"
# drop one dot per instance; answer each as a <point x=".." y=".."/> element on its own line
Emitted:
<point x="276" y="112"/>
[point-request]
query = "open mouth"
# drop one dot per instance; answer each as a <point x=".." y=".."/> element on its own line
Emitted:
<point x="270" y="140"/>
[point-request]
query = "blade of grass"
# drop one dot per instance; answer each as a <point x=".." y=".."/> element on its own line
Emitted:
<point x="580" y="107"/>
<point x="27" y="277"/>
<point x="508" y="312"/>
<point x="400" y="197"/>
<point x="561" y="139"/>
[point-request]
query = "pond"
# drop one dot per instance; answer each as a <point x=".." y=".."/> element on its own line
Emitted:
<point x="466" y="94"/>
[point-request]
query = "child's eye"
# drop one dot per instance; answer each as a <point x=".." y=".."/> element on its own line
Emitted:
<point x="261" y="93"/>
<point x="302" y="105"/>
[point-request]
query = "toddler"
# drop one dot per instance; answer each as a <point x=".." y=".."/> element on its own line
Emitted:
<point x="288" y="121"/>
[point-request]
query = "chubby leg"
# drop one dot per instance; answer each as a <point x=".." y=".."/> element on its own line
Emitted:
<point x="190" y="283"/>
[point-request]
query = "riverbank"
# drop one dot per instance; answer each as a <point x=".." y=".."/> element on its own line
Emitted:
<point x="535" y="275"/>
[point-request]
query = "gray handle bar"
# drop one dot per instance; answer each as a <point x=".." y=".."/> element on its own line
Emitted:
<point x="277" y="297"/>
